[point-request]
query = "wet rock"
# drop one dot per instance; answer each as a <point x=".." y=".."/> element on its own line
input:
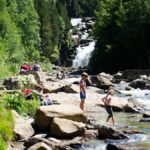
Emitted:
<point x="66" y="129"/>
<point x="128" y="88"/>
<point x="107" y="132"/>
<point x="101" y="82"/>
<point x="40" y="146"/>
<point x="45" y="114"/>
<point x="133" y="106"/>
<point x="147" y="86"/>
<point x="138" y="83"/>
<point x="22" y="129"/>
<point x="114" y="147"/>
<point x="133" y="132"/>
<point x="146" y="115"/>
<point x="145" y="120"/>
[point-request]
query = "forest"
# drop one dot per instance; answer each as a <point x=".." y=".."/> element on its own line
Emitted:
<point x="37" y="30"/>
<point x="122" y="32"/>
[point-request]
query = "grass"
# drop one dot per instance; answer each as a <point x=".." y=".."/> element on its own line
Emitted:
<point x="22" y="106"/>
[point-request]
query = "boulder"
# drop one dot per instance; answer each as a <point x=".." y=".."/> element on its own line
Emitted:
<point x="66" y="129"/>
<point x="145" y="120"/>
<point x="71" y="89"/>
<point x="45" y="114"/>
<point x="52" y="87"/>
<point x="118" y="75"/>
<point x="101" y="82"/>
<point x="114" y="147"/>
<point x="146" y="115"/>
<point x="107" y="132"/>
<point x="19" y="82"/>
<point x="138" y="83"/>
<point x="40" y="146"/>
<point x="133" y="106"/>
<point x="22" y="129"/>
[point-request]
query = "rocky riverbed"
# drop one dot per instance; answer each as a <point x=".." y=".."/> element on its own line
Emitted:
<point x="64" y="126"/>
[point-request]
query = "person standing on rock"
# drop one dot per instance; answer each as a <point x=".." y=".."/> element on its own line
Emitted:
<point x="107" y="102"/>
<point x="84" y="77"/>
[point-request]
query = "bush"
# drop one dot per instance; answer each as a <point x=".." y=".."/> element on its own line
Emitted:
<point x="6" y="127"/>
<point x="18" y="103"/>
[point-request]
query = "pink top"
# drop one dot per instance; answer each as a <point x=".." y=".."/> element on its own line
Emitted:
<point x="82" y="85"/>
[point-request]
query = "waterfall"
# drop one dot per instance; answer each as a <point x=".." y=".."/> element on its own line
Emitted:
<point x="82" y="34"/>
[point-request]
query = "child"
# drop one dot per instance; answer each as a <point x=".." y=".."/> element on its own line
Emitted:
<point x="84" y="77"/>
<point x="107" y="103"/>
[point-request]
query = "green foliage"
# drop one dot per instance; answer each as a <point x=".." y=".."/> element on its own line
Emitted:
<point x="18" y="103"/>
<point x="6" y="126"/>
<point x="80" y="8"/>
<point x="122" y="33"/>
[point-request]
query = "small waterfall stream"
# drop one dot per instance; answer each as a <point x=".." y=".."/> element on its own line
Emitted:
<point x="82" y="34"/>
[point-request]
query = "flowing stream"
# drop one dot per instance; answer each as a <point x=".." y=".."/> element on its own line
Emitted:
<point x="82" y="34"/>
<point x="123" y="120"/>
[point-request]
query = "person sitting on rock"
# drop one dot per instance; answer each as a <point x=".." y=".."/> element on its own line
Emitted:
<point x="27" y="93"/>
<point x="44" y="100"/>
<point x="36" y="67"/>
<point x="25" y="68"/>
<point x="84" y="78"/>
<point x="107" y="102"/>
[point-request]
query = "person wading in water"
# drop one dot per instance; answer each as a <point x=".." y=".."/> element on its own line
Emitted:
<point x="107" y="102"/>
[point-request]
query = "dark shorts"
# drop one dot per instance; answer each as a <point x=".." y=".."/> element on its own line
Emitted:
<point x="109" y="110"/>
<point x="82" y="96"/>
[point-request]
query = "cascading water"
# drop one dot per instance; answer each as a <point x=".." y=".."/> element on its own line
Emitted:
<point x="86" y="44"/>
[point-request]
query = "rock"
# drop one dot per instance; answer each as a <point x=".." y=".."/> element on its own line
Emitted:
<point x="53" y="87"/>
<point x="106" y="132"/>
<point x="75" y="141"/>
<point x="71" y="89"/>
<point x="35" y="139"/>
<point x="101" y="82"/>
<point x="145" y="120"/>
<point x="117" y="104"/>
<point x="138" y="83"/>
<point x="45" y="114"/>
<point x="133" y="132"/>
<point x="146" y="115"/>
<point x="147" y="86"/>
<point x="40" y="146"/>
<point x="131" y="75"/>
<point x="118" y="75"/>
<point x="128" y="88"/>
<point x="122" y="147"/>
<point x="66" y="129"/>
<point x="22" y="129"/>
<point x="114" y="147"/>
<point x="19" y="82"/>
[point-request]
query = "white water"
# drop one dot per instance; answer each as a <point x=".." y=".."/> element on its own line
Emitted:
<point x="83" y="55"/>
<point x="83" y="52"/>
<point x="75" y="22"/>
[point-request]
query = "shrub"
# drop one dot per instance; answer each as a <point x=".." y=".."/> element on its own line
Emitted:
<point x="18" y="103"/>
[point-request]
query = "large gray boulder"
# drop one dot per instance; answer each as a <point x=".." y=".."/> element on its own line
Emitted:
<point x="101" y="82"/>
<point x="45" y="114"/>
<point x="138" y="83"/>
<point x="107" y="132"/>
<point x="66" y="129"/>
<point x="22" y="129"/>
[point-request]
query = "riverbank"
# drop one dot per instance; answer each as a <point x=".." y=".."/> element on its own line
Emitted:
<point x="128" y="107"/>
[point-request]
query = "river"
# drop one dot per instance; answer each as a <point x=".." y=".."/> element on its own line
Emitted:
<point x="81" y="33"/>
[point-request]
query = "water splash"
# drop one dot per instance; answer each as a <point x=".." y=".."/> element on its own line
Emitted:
<point x="83" y="55"/>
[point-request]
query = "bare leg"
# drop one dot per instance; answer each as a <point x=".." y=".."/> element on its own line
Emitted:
<point x="108" y="119"/>
<point x="113" y="120"/>
<point x="82" y="104"/>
